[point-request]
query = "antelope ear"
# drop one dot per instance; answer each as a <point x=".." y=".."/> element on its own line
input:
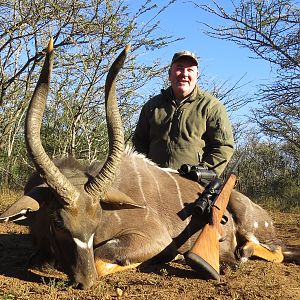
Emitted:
<point x="20" y="209"/>
<point x="117" y="198"/>
<point x="30" y="202"/>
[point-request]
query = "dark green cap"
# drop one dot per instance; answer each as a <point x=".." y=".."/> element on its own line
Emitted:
<point x="184" y="53"/>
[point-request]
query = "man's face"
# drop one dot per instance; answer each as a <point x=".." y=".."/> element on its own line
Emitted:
<point x="183" y="76"/>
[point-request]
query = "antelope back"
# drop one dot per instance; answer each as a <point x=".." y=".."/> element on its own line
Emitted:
<point x="163" y="195"/>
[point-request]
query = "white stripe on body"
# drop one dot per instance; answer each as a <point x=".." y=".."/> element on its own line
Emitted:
<point x="140" y="184"/>
<point x="133" y="155"/>
<point x="178" y="189"/>
<point x="154" y="180"/>
<point x="180" y="202"/>
<point x="116" y="215"/>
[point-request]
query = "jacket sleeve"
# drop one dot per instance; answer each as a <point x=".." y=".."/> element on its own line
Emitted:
<point x="142" y="132"/>
<point x="219" y="139"/>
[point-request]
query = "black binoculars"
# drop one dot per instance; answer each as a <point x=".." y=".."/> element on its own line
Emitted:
<point x="197" y="172"/>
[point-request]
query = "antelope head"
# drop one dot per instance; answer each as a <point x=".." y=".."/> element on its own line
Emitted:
<point x="67" y="206"/>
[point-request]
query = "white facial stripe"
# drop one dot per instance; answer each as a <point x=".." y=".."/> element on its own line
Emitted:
<point x="80" y="244"/>
<point x="90" y="242"/>
<point x="84" y="245"/>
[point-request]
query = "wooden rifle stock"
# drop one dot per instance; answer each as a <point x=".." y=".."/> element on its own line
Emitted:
<point x="204" y="255"/>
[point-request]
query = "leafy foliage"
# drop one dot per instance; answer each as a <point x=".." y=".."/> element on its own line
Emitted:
<point x="267" y="171"/>
<point x="271" y="31"/>
<point x="87" y="37"/>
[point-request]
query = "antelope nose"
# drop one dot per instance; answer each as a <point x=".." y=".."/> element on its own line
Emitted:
<point x="85" y="285"/>
<point x="85" y="282"/>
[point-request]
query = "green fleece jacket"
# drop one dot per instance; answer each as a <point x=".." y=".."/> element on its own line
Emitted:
<point x="197" y="129"/>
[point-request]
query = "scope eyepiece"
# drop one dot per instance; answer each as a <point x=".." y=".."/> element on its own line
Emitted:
<point x="206" y="198"/>
<point x="201" y="205"/>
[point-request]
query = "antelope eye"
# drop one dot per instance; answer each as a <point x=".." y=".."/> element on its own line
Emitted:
<point x="57" y="223"/>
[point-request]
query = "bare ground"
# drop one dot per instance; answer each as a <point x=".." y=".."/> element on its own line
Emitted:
<point x="254" y="280"/>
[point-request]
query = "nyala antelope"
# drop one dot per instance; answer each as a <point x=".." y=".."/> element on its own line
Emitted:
<point x="94" y="220"/>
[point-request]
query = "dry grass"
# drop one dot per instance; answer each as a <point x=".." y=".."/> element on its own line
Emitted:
<point x="8" y="197"/>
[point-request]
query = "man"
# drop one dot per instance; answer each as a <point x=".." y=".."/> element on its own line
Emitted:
<point x="183" y="124"/>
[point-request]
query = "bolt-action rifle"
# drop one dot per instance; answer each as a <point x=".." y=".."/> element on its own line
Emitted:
<point x="204" y="255"/>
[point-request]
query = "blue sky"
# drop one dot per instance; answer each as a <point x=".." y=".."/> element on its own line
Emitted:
<point x="220" y="60"/>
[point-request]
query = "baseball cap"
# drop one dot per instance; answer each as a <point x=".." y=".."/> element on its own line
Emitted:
<point x="184" y="53"/>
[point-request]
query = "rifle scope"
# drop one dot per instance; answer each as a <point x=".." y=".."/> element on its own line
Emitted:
<point x="205" y="201"/>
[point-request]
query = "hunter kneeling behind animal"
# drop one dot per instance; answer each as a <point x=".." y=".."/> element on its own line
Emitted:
<point x="183" y="124"/>
<point x="93" y="220"/>
<point x="187" y="129"/>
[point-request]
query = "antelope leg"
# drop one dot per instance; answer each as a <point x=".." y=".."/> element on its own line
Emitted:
<point x="258" y="250"/>
<point x="130" y="249"/>
<point x="105" y="268"/>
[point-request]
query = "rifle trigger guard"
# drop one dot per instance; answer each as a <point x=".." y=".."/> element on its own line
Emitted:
<point x="224" y="220"/>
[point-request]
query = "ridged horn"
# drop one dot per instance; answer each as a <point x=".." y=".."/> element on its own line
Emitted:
<point x="101" y="183"/>
<point x="43" y="164"/>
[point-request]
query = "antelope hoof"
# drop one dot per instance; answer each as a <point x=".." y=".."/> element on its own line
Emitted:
<point x="39" y="260"/>
<point x="47" y="271"/>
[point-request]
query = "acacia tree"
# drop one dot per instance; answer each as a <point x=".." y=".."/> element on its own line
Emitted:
<point x="271" y="31"/>
<point x="87" y="37"/>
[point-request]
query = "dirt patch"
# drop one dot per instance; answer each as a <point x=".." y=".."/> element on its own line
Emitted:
<point x="253" y="280"/>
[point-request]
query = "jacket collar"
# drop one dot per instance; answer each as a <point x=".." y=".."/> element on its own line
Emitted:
<point x="168" y="94"/>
